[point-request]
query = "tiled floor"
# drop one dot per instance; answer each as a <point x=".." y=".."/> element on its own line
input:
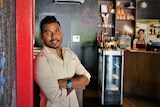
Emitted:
<point x="91" y="99"/>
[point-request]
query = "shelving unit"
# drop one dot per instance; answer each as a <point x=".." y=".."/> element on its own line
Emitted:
<point x="106" y="21"/>
<point x="116" y="18"/>
<point x="154" y="33"/>
<point x="126" y="16"/>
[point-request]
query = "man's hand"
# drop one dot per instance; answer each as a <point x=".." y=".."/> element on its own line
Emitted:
<point x="62" y="83"/>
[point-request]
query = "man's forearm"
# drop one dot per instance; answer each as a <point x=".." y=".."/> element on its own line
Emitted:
<point x="79" y="81"/>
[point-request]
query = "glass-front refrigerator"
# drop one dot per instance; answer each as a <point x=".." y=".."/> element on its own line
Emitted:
<point x="110" y="77"/>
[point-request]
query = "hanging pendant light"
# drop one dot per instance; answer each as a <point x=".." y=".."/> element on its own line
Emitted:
<point x="144" y="4"/>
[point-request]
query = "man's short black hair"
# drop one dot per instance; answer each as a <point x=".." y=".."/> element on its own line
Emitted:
<point x="48" y="20"/>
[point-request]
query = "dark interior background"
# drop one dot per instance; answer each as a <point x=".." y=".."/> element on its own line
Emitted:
<point x="150" y="12"/>
<point x="82" y="20"/>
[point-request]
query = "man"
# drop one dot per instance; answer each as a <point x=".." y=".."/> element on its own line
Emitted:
<point x="57" y="70"/>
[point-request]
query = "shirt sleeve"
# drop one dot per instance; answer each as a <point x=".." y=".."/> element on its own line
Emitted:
<point x="47" y="80"/>
<point x="80" y="69"/>
<point x="135" y="41"/>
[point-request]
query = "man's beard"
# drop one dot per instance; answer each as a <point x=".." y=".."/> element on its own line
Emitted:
<point x="54" y="47"/>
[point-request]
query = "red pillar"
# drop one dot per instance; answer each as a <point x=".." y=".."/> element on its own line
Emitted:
<point x="24" y="52"/>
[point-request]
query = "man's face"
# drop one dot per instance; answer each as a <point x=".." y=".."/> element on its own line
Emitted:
<point x="52" y="35"/>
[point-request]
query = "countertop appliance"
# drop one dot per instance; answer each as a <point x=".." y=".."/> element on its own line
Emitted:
<point x="153" y="46"/>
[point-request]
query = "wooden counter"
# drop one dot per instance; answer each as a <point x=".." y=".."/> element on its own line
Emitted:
<point x="142" y="74"/>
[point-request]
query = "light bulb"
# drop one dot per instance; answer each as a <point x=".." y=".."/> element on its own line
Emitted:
<point x="143" y="4"/>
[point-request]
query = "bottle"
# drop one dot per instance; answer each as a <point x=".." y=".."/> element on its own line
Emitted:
<point x="128" y="42"/>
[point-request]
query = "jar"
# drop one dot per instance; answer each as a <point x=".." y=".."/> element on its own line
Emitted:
<point x="128" y="17"/>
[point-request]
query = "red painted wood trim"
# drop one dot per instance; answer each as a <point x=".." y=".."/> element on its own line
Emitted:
<point x="24" y="52"/>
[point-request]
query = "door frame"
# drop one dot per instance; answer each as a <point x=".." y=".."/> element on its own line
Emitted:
<point x="24" y="52"/>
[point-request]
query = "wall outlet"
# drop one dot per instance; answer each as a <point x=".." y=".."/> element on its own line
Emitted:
<point x="76" y="38"/>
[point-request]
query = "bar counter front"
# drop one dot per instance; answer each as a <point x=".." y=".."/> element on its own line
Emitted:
<point x="142" y="74"/>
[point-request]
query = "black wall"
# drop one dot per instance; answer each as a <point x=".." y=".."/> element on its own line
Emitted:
<point x="152" y="11"/>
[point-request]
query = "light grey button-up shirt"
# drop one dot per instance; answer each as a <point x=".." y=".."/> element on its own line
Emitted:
<point x="49" y="67"/>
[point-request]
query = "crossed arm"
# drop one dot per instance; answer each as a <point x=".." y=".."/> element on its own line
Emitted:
<point x="78" y="82"/>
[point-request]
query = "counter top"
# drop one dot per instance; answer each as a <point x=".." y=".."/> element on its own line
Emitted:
<point x="132" y="50"/>
<point x="143" y="51"/>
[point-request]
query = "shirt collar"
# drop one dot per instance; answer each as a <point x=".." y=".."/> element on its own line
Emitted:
<point x="51" y="50"/>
